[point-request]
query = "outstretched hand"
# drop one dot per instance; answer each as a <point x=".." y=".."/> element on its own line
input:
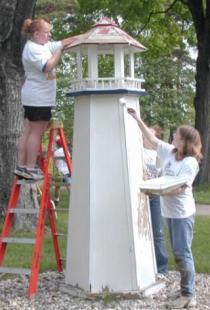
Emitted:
<point x="132" y="112"/>
<point x="67" y="42"/>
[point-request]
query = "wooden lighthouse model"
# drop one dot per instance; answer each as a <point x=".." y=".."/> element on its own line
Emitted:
<point x="110" y="244"/>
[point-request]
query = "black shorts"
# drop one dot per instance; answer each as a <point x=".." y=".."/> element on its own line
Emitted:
<point x="34" y="114"/>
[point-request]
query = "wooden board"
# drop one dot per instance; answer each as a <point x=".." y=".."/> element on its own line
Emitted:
<point x="162" y="184"/>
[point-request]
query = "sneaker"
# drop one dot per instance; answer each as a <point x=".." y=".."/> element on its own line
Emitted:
<point x="174" y="295"/>
<point x="181" y="302"/>
<point x="35" y="175"/>
<point x="20" y="172"/>
<point x="162" y="277"/>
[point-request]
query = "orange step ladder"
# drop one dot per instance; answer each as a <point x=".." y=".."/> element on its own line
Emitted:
<point x="56" y="128"/>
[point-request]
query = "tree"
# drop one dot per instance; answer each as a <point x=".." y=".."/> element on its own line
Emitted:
<point x="12" y="15"/>
<point x="200" y="11"/>
<point x="165" y="20"/>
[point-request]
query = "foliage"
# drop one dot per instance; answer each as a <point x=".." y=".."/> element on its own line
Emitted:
<point x="169" y="82"/>
<point x="54" y="8"/>
<point x="65" y="104"/>
<point x="167" y="66"/>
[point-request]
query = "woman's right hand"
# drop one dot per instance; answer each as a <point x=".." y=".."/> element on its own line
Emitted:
<point x="132" y="112"/>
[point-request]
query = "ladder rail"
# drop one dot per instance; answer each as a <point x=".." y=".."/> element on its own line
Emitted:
<point x="41" y="220"/>
<point x="55" y="235"/>
<point x="65" y="149"/>
<point x="45" y="206"/>
<point x="46" y="209"/>
<point x="8" y="218"/>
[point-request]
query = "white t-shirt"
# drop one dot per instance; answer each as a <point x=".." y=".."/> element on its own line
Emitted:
<point x="60" y="163"/>
<point x="183" y="204"/>
<point x="39" y="88"/>
<point x="150" y="163"/>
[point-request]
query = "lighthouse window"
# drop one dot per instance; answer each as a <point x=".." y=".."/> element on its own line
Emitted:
<point x="127" y="65"/>
<point x="138" y="67"/>
<point x="84" y="66"/>
<point x="105" y="66"/>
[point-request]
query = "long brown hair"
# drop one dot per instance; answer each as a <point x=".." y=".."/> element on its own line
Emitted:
<point x="191" y="143"/>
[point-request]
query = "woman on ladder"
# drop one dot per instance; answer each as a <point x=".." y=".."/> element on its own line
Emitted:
<point x="40" y="57"/>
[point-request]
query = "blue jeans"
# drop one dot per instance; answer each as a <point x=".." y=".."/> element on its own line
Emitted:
<point x="157" y="227"/>
<point x="181" y="236"/>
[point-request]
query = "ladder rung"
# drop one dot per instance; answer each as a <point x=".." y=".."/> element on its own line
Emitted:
<point x="13" y="270"/>
<point x="60" y="235"/>
<point x="60" y="210"/>
<point x="46" y="204"/>
<point x="24" y="210"/>
<point x="59" y="157"/>
<point x="25" y="181"/>
<point x="18" y="240"/>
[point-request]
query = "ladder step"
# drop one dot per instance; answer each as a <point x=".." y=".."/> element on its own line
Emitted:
<point x="24" y="211"/>
<point x="59" y="157"/>
<point x="25" y="181"/>
<point x="60" y="210"/>
<point x="13" y="270"/>
<point x="60" y="235"/>
<point x="10" y="236"/>
<point x="18" y="240"/>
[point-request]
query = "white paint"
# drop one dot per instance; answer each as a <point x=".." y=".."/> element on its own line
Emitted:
<point x="105" y="246"/>
<point x="110" y="242"/>
<point x="93" y="62"/>
<point x="123" y="101"/>
<point x="119" y="61"/>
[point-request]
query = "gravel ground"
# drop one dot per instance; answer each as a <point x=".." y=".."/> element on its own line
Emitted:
<point x="50" y="295"/>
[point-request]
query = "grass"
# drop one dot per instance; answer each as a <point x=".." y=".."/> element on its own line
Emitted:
<point x="200" y="248"/>
<point x="21" y="255"/>
<point x="202" y="194"/>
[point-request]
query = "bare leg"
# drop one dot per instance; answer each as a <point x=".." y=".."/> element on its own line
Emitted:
<point x="22" y="142"/>
<point x="33" y="142"/>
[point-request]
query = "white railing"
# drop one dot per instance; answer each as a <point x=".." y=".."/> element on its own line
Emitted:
<point x="107" y="83"/>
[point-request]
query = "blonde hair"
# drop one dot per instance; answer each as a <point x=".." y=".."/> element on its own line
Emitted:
<point x="191" y="143"/>
<point x="30" y="26"/>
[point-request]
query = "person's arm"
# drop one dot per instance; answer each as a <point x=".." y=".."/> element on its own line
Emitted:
<point x="150" y="136"/>
<point x="176" y="191"/>
<point x="67" y="41"/>
<point x="54" y="59"/>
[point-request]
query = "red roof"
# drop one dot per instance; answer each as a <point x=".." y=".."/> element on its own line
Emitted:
<point x="106" y="32"/>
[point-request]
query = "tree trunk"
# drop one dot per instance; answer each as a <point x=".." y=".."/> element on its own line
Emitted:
<point x="28" y="199"/>
<point x="12" y="15"/>
<point x="202" y="108"/>
<point x="201" y="17"/>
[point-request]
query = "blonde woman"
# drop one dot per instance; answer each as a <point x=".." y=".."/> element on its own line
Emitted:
<point x="40" y="57"/>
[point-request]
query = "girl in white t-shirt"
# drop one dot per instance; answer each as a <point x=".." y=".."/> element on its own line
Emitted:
<point x="39" y="58"/>
<point x="181" y="158"/>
